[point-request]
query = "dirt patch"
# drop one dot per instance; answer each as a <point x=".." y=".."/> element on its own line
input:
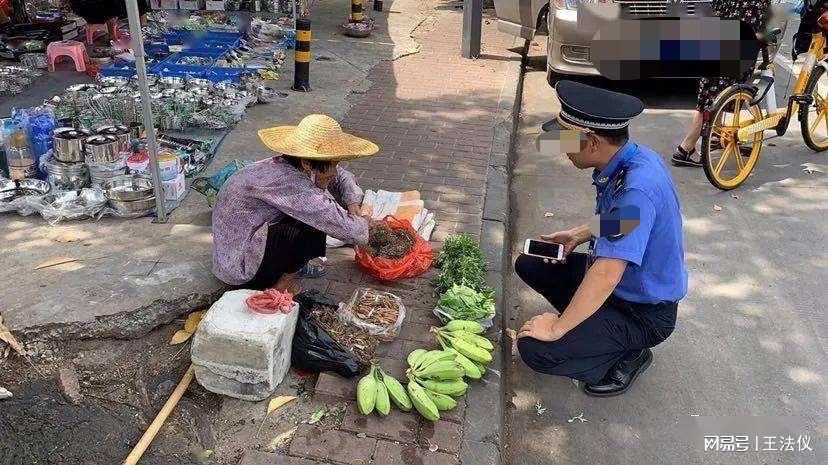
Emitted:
<point x="124" y="384"/>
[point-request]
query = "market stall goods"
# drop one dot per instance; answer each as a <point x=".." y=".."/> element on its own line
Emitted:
<point x="389" y="243"/>
<point x="379" y="313"/>
<point x="14" y="79"/>
<point x="271" y="301"/>
<point x="377" y="390"/>
<point x="313" y="348"/>
<point x="412" y="258"/>
<point x="68" y="144"/>
<point x="464" y="303"/>
<point x="359" y="341"/>
<point x="67" y="176"/>
<point x="15" y="189"/>
<point x="475" y="347"/>
<point x="461" y="262"/>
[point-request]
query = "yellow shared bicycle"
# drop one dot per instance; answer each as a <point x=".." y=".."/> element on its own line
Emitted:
<point x="734" y="126"/>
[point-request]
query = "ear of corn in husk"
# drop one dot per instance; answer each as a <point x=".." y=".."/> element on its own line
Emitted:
<point x="415" y="356"/>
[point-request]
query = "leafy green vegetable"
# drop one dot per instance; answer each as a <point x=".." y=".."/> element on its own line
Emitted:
<point x="459" y="246"/>
<point x="464" y="303"/>
<point x="461" y="262"/>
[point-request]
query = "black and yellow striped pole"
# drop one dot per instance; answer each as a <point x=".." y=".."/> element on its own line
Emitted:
<point x="301" y="75"/>
<point x="377" y="5"/>
<point x="356" y="11"/>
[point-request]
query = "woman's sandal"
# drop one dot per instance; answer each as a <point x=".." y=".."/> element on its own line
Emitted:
<point x="682" y="157"/>
<point x="312" y="270"/>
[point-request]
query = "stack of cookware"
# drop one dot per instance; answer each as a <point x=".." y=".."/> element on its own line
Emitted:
<point x="67" y="169"/>
<point x="106" y="153"/>
<point x="130" y="195"/>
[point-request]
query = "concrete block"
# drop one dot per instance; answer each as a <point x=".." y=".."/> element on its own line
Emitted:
<point x="240" y="353"/>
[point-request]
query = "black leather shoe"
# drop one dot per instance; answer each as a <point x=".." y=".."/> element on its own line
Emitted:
<point x="621" y="376"/>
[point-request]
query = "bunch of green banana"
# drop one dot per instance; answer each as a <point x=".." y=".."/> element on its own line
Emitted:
<point x="434" y="376"/>
<point x="471" y="350"/>
<point x="377" y="390"/>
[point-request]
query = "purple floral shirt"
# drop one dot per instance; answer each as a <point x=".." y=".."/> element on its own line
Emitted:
<point x="267" y="191"/>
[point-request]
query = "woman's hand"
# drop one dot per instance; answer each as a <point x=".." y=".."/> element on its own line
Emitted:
<point x="354" y="209"/>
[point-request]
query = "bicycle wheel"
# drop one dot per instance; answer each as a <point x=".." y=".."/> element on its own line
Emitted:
<point x="727" y="163"/>
<point x="813" y="119"/>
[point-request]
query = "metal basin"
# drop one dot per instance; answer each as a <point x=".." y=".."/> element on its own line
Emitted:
<point x="133" y="208"/>
<point x="10" y="190"/>
<point x="129" y="188"/>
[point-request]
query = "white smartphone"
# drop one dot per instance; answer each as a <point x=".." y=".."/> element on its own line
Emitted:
<point x="543" y="249"/>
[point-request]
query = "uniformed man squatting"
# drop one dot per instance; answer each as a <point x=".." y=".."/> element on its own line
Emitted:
<point x="621" y="299"/>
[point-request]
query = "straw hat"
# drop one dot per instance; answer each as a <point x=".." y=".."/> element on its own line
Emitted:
<point x="317" y="137"/>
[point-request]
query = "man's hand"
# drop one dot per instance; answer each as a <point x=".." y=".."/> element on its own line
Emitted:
<point x="570" y="239"/>
<point x="541" y="327"/>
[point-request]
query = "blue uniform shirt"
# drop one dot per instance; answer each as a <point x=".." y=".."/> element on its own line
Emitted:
<point x="636" y="179"/>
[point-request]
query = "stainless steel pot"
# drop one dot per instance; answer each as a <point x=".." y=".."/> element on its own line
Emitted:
<point x="102" y="149"/>
<point x="129" y="188"/>
<point x="120" y="132"/>
<point x="124" y="139"/>
<point x="67" y="176"/>
<point x="67" y="144"/>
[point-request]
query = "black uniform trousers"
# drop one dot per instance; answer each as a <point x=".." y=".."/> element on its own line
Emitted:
<point x="290" y="245"/>
<point x="587" y="352"/>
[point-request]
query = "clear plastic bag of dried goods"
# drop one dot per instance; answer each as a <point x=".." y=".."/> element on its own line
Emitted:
<point x="380" y="313"/>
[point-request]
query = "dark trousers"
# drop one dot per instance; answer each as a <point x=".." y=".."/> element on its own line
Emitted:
<point x="290" y="245"/>
<point x="619" y="328"/>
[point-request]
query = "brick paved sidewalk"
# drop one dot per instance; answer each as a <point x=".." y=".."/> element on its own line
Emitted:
<point x="436" y="117"/>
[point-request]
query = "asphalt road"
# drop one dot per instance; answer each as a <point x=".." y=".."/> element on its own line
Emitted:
<point x="751" y="336"/>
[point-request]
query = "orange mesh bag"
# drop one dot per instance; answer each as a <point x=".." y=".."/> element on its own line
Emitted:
<point x="413" y="263"/>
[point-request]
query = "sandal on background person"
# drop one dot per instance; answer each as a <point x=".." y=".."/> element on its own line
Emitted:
<point x="683" y="157"/>
<point x="313" y="269"/>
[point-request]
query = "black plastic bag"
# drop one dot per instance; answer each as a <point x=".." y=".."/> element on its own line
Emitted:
<point x="313" y="348"/>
